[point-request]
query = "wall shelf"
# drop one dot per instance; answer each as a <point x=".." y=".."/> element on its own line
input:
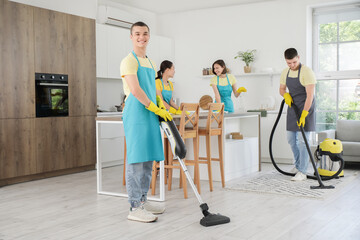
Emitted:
<point x="242" y="75"/>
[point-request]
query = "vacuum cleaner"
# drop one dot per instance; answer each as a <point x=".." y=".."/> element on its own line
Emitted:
<point x="330" y="147"/>
<point x="179" y="151"/>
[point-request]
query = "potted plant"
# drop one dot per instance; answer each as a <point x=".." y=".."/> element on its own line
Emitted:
<point x="248" y="57"/>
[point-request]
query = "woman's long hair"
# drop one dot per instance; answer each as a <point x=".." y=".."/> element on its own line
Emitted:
<point x="163" y="66"/>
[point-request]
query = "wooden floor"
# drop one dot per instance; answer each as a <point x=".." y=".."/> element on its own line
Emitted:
<point x="68" y="207"/>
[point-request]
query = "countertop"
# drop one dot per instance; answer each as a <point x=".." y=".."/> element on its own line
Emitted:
<point x="117" y="116"/>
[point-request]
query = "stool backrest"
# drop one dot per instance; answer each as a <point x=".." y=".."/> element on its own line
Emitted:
<point x="189" y="117"/>
<point x="216" y="114"/>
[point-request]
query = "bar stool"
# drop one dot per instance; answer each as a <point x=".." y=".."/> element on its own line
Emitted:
<point x="215" y="115"/>
<point x="188" y="129"/>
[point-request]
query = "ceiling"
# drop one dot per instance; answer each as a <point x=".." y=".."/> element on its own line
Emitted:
<point x="172" y="6"/>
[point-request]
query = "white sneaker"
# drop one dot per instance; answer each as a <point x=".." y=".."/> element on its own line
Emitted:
<point x="154" y="207"/>
<point x="294" y="170"/>
<point x="140" y="214"/>
<point x="299" y="177"/>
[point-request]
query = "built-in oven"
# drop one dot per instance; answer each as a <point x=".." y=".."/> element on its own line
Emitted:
<point x="52" y="95"/>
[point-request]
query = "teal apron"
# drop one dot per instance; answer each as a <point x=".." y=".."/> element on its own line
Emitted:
<point x="298" y="94"/>
<point x="225" y="95"/>
<point x="166" y="94"/>
<point x="142" y="129"/>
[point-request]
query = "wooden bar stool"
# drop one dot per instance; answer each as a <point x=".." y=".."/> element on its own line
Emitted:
<point x="188" y="129"/>
<point x="215" y="117"/>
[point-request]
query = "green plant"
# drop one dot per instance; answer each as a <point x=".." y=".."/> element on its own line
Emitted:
<point x="247" y="56"/>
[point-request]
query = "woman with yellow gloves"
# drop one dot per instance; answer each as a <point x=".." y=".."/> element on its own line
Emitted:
<point x="223" y="84"/>
<point x="165" y="88"/>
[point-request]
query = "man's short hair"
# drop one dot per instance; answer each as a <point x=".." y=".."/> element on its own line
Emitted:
<point x="290" y="53"/>
<point x="139" y="24"/>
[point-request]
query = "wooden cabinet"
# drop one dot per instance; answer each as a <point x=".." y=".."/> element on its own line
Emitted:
<point x="51" y="144"/>
<point x="40" y="40"/>
<point x="81" y="66"/>
<point x="17" y="89"/>
<point x="81" y="141"/>
<point x="17" y="152"/>
<point x="50" y="31"/>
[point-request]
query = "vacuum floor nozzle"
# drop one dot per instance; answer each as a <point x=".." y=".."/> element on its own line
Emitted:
<point x="214" y="219"/>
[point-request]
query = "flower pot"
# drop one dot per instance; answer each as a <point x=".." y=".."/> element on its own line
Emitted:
<point x="247" y="69"/>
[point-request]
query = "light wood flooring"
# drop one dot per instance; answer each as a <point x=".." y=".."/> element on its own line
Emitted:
<point x="68" y="207"/>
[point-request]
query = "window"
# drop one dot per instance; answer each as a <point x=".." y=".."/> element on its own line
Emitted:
<point x="336" y="62"/>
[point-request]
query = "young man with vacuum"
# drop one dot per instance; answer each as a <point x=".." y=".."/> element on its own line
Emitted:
<point x="141" y="125"/>
<point x="300" y="81"/>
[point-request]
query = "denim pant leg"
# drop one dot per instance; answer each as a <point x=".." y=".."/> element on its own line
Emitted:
<point x="146" y="179"/>
<point x="304" y="155"/>
<point x="138" y="176"/>
<point x="292" y="139"/>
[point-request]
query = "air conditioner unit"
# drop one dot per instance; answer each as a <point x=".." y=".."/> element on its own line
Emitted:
<point x="115" y="17"/>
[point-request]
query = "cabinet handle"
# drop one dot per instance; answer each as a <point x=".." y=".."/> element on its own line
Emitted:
<point x="54" y="84"/>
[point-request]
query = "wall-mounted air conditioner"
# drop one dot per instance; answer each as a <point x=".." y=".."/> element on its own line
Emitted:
<point x="115" y="17"/>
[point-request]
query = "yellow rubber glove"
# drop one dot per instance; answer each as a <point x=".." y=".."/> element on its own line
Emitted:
<point x="172" y="110"/>
<point x="302" y="118"/>
<point x="241" y="89"/>
<point x="178" y="112"/>
<point x="288" y="99"/>
<point x="160" y="112"/>
<point x="160" y="103"/>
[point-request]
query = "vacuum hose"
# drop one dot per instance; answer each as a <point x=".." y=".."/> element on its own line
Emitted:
<point x="317" y="176"/>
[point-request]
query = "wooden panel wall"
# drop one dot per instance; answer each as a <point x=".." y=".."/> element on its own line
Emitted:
<point x="17" y="88"/>
<point x="81" y="66"/>
<point x="17" y="154"/>
<point x="50" y="31"/>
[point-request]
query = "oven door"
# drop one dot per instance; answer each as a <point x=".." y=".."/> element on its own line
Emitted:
<point x="52" y="99"/>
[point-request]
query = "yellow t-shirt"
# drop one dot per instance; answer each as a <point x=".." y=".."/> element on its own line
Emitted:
<point x="307" y="75"/>
<point x="129" y="66"/>
<point x="223" y="81"/>
<point x="159" y="85"/>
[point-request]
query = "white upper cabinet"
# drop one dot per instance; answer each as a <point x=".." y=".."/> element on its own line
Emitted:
<point x="113" y="44"/>
<point x="101" y="51"/>
<point x="119" y="46"/>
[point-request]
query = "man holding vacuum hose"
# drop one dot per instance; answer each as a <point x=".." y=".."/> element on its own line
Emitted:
<point x="300" y="81"/>
<point x="141" y="125"/>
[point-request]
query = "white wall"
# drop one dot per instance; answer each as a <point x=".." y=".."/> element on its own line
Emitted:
<point x="203" y="36"/>
<point x="83" y="8"/>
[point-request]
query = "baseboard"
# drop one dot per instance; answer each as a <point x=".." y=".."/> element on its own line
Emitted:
<point x="9" y="181"/>
<point x="278" y="160"/>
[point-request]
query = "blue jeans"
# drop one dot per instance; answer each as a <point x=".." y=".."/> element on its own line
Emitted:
<point x="138" y="177"/>
<point x="298" y="147"/>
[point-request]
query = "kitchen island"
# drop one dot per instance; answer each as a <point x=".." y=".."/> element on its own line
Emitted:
<point x="241" y="156"/>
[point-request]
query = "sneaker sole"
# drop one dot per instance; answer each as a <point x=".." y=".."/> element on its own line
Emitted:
<point x="157" y="213"/>
<point x="132" y="218"/>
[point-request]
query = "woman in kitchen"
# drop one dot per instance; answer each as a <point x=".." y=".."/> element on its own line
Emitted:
<point x="223" y="84"/>
<point x="165" y="88"/>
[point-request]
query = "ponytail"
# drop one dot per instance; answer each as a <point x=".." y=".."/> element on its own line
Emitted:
<point x="163" y="66"/>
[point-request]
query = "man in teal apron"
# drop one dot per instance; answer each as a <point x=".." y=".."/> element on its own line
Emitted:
<point x="141" y="125"/>
<point x="300" y="80"/>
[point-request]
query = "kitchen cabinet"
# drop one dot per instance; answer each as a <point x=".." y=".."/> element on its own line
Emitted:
<point x="40" y="40"/>
<point x="17" y="91"/>
<point x="50" y="31"/>
<point x="101" y="51"/>
<point x="113" y="44"/>
<point x="81" y="61"/>
<point x="118" y="47"/>
<point x="51" y="144"/>
<point x="17" y="152"/>
<point x="81" y="145"/>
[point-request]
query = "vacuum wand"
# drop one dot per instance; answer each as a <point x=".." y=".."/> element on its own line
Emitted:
<point x="179" y="151"/>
